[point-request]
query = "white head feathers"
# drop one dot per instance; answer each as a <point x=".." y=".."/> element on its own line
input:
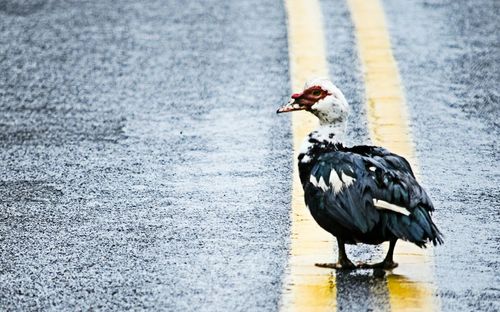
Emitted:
<point x="334" y="107"/>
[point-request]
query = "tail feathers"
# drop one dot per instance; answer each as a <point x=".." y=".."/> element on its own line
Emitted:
<point x="417" y="228"/>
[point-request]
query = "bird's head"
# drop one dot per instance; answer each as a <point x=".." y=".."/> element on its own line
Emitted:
<point x="322" y="98"/>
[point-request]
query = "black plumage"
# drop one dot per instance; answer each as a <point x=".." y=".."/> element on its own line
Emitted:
<point x="376" y="174"/>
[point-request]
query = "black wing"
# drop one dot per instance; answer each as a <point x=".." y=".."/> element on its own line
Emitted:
<point x="364" y="187"/>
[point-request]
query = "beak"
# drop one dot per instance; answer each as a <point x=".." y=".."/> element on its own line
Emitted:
<point x="292" y="105"/>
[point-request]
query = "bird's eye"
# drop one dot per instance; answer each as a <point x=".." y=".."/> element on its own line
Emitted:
<point x="316" y="93"/>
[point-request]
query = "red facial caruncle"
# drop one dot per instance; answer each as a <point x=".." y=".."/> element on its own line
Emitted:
<point x="304" y="100"/>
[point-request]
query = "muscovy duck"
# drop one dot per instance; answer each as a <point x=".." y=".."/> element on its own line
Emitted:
<point x="360" y="194"/>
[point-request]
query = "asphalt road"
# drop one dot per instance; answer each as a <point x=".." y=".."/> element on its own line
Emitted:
<point x="142" y="165"/>
<point x="452" y="90"/>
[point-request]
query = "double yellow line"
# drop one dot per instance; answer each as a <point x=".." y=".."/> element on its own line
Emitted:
<point x="306" y="287"/>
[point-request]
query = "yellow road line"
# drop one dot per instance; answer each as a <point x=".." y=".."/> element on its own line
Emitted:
<point x="411" y="286"/>
<point x="306" y="288"/>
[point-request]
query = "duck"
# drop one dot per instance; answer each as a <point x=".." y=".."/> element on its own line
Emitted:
<point x="360" y="194"/>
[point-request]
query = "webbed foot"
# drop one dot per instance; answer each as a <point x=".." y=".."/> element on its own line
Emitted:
<point x="341" y="265"/>
<point x="386" y="265"/>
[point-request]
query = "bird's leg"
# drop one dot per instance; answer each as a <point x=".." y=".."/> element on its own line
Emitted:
<point x="342" y="263"/>
<point x="388" y="262"/>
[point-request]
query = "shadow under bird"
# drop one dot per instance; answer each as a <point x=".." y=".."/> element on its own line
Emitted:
<point x="360" y="194"/>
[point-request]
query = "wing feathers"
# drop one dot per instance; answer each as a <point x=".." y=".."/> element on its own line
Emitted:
<point x="381" y="204"/>
<point x="363" y="190"/>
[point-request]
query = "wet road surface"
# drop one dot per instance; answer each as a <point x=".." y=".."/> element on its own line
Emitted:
<point x="457" y="136"/>
<point x="143" y="166"/>
<point x="142" y="162"/>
